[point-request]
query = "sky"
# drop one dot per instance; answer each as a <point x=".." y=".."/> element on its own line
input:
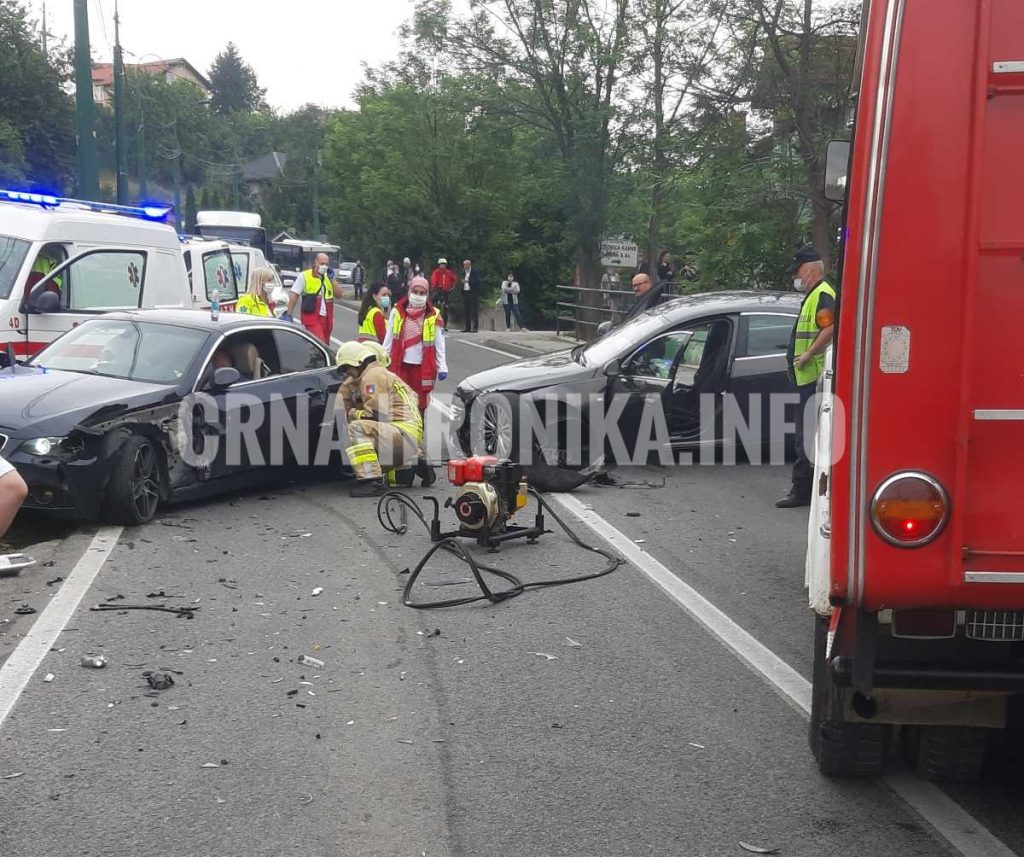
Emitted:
<point x="278" y="40"/>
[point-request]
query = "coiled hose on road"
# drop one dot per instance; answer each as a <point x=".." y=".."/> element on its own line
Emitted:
<point x="397" y="502"/>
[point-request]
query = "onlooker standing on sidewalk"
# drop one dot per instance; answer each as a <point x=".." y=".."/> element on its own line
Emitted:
<point x="510" y="300"/>
<point x="666" y="271"/>
<point x="442" y="281"/>
<point x="470" y="296"/>
<point x="358" y="278"/>
<point x="396" y="283"/>
<point x="13" y="492"/>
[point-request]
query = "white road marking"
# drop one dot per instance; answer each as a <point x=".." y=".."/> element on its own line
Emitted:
<point x="950" y="821"/>
<point x="449" y="339"/>
<point x="25" y="659"/>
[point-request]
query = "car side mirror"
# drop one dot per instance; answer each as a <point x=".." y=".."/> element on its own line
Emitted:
<point x="224" y="377"/>
<point x="42" y="302"/>
<point x="603" y="328"/>
<point x="613" y="368"/>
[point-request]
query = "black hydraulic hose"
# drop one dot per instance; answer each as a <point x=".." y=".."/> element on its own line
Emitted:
<point x="386" y="508"/>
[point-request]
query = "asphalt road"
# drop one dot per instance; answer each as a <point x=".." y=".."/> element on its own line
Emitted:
<point x="592" y="720"/>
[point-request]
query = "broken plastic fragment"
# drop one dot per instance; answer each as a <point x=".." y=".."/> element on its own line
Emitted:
<point x="313" y="662"/>
<point x="318" y="590"/>
<point x="757" y="849"/>
<point x="210" y="765"/>
<point x="544" y="655"/>
<point x="569" y="641"/>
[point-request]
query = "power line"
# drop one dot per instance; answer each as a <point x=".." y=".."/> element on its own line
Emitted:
<point x="103" y="23"/>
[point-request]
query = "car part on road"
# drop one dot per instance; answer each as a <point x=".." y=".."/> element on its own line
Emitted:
<point x="484" y="509"/>
<point x="159" y="680"/>
<point x="107" y="607"/>
<point x="11" y="564"/>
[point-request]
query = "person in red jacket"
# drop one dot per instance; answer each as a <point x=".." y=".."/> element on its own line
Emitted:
<point x="442" y="281"/>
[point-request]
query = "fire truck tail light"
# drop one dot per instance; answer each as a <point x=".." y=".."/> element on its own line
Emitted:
<point x="909" y="509"/>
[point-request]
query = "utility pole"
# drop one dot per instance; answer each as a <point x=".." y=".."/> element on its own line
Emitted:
<point x="45" y="34"/>
<point x="140" y="140"/>
<point x="120" y="154"/>
<point x="85" y="118"/>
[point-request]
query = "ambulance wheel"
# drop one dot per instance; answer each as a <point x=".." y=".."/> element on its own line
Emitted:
<point x="136" y="479"/>
<point x="947" y="753"/>
<point x="841" y="748"/>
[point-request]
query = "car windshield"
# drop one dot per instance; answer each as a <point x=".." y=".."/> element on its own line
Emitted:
<point x="622" y="339"/>
<point x="135" y="351"/>
<point x="12" y="254"/>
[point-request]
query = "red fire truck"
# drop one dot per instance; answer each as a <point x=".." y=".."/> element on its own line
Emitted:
<point x="915" y="564"/>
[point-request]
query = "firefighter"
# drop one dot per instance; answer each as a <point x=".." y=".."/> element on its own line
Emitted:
<point x="315" y="290"/>
<point x="385" y="429"/>
<point x="811" y="335"/>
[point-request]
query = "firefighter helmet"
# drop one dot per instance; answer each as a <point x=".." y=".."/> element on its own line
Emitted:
<point x="352" y="354"/>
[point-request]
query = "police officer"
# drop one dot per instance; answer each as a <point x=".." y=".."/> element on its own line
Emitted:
<point x="811" y="336"/>
<point x="384" y="422"/>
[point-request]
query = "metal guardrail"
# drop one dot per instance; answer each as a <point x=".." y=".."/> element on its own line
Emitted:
<point x="586" y="317"/>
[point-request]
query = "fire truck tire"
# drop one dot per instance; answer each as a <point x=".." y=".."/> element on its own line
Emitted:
<point x="948" y="753"/>
<point x="841" y="748"/>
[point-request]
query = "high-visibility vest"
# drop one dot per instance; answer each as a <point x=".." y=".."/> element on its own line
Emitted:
<point x="311" y="285"/>
<point x="252" y="305"/>
<point x="428" y="375"/>
<point x="806" y="332"/>
<point x="367" y="330"/>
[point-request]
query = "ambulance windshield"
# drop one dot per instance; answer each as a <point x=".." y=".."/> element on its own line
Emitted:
<point x="12" y="254"/>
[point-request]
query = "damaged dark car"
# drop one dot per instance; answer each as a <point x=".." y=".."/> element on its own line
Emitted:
<point x="100" y="423"/>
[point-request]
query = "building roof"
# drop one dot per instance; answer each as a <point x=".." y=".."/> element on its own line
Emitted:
<point x="103" y="73"/>
<point x="269" y="166"/>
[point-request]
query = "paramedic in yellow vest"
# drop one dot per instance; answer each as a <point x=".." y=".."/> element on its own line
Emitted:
<point x="415" y="341"/>
<point x="811" y="336"/>
<point x="385" y="429"/>
<point x="45" y="262"/>
<point x="314" y="292"/>
<point x="373" y="313"/>
<point x="256" y="301"/>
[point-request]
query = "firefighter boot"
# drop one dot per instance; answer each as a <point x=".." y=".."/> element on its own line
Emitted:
<point x="425" y="472"/>
<point x="369" y="488"/>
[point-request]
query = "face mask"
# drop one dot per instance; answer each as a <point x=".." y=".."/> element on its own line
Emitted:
<point x="268" y="288"/>
<point x="417" y="300"/>
<point x="322" y="270"/>
<point x="385" y="302"/>
<point x="798" y="284"/>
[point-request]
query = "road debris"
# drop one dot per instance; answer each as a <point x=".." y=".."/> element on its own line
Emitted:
<point x="544" y="655"/>
<point x="695" y="744"/>
<point x="159" y="680"/>
<point x="572" y="644"/>
<point x="310" y="661"/>
<point x="49" y="677"/>
<point x="25" y="610"/>
<point x="757" y="849"/>
<point x="106" y="607"/>
<point x="95" y="662"/>
<point x="14" y="776"/>
<point x="306" y="798"/>
<point x="55" y="581"/>
<point x="209" y="765"/>
<point x="317" y="591"/>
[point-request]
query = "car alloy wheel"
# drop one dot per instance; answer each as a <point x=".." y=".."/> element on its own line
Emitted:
<point x="497" y="431"/>
<point x="145" y="482"/>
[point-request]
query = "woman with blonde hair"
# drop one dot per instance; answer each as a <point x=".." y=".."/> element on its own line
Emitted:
<point x="256" y="301"/>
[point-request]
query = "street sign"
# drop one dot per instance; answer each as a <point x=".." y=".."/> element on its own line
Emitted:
<point x="619" y="254"/>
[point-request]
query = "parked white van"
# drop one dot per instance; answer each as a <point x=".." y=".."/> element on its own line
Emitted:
<point x="63" y="261"/>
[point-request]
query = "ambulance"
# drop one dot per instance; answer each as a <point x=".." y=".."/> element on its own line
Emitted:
<point x="63" y="261"/>
<point x="915" y="562"/>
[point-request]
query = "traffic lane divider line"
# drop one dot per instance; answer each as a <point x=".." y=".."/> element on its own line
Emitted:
<point x="950" y="821"/>
<point x="19" y="668"/>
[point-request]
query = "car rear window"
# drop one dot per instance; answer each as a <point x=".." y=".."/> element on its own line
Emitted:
<point x="12" y="255"/>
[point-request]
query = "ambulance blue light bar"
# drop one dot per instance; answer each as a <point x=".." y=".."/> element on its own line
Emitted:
<point x="149" y="211"/>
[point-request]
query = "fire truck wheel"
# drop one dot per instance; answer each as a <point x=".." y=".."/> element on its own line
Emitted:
<point x="841" y="748"/>
<point x="947" y="753"/>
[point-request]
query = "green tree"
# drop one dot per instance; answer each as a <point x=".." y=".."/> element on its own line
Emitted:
<point x="190" y="209"/>
<point x="37" y="137"/>
<point x="234" y="84"/>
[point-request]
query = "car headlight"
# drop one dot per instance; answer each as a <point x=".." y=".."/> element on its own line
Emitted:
<point x="51" y="446"/>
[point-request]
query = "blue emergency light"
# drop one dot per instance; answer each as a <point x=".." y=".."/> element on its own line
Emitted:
<point x="148" y="211"/>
